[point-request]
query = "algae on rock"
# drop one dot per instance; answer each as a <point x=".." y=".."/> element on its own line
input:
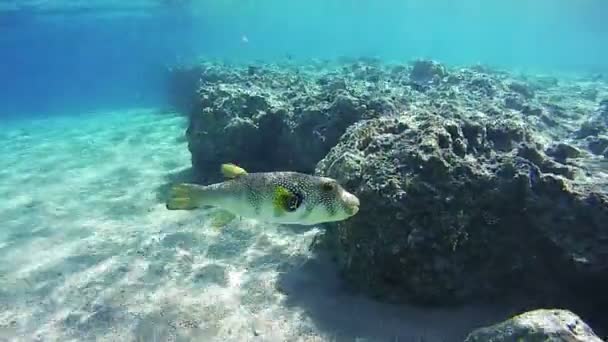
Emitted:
<point x="537" y="326"/>
<point x="475" y="183"/>
<point x="455" y="211"/>
<point x="272" y="119"/>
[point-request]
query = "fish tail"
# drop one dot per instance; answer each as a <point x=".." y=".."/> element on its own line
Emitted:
<point x="184" y="196"/>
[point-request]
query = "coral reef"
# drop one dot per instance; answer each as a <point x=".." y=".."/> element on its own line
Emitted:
<point x="268" y="118"/>
<point x="538" y="325"/>
<point x="475" y="183"/>
<point x="455" y="210"/>
<point x="425" y="71"/>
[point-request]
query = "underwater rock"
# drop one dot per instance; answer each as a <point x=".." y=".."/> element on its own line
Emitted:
<point x="239" y="111"/>
<point x="590" y="129"/>
<point x="269" y="119"/>
<point x="514" y="102"/>
<point x="545" y="165"/>
<point x="469" y="190"/>
<point x="541" y="325"/>
<point x="427" y="72"/>
<point x="562" y="151"/>
<point x="596" y="124"/>
<point x="454" y="211"/>
<point x="521" y="88"/>
<point x="598" y="145"/>
<point x="504" y="135"/>
<point x="483" y="85"/>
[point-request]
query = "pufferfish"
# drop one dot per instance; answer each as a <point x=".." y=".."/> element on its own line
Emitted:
<point x="275" y="197"/>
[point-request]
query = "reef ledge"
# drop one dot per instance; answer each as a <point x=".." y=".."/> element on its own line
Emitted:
<point x="475" y="183"/>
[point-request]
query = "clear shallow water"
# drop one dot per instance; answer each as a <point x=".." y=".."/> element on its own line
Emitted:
<point x="88" y="251"/>
<point x="74" y="56"/>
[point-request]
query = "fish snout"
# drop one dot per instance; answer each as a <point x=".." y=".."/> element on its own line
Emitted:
<point x="351" y="203"/>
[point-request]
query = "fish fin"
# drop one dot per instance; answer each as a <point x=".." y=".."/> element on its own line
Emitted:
<point x="221" y="218"/>
<point x="232" y="171"/>
<point x="184" y="196"/>
<point x="285" y="200"/>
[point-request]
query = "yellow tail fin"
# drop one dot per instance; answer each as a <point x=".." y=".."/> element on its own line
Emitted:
<point x="184" y="196"/>
<point x="232" y="171"/>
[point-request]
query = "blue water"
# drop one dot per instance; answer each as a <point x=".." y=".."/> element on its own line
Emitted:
<point x="89" y="144"/>
<point x="74" y="57"/>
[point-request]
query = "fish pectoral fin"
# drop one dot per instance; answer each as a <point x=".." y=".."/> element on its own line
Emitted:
<point x="221" y="218"/>
<point x="231" y="171"/>
<point x="184" y="196"/>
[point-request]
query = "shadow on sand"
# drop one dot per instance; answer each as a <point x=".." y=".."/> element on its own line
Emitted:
<point x="316" y="288"/>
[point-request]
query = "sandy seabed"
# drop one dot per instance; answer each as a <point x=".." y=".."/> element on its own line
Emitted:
<point x="88" y="251"/>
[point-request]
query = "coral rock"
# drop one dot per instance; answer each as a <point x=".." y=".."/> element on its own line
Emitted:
<point x="539" y="325"/>
<point x="268" y="119"/>
<point x="522" y="89"/>
<point x="427" y="72"/>
<point x="468" y="188"/>
<point x="598" y="145"/>
<point x="453" y="211"/>
<point x="562" y="151"/>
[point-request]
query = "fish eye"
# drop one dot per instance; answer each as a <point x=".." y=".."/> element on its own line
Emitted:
<point x="328" y="186"/>
<point x="294" y="203"/>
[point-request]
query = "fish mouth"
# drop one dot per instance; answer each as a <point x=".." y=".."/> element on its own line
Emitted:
<point x="352" y="210"/>
<point x="352" y="204"/>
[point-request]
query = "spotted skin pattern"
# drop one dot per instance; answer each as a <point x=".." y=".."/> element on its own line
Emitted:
<point x="279" y="197"/>
<point x="311" y="191"/>
<point x="260" y="187"/>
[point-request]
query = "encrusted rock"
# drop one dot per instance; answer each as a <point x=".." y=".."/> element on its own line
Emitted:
<point x="597" y="124"/>
<point x="425" y="71"/>
<point x="537" y="326"/>
<point x="590" y="129"/>
<point x="269" y="120"/>
<point x="522" y="89"/>
<point x="563" y="151"/>
<point x="453" y="211"/>
<point x="598" y="144"/>
<point x="514" y="102"/>
<point x="237" y="112"/>
<point x="545" y="165"/>
<point x="468" y="187"/>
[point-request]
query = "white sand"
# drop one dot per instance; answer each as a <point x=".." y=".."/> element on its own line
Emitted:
<point x="89" y="252"/>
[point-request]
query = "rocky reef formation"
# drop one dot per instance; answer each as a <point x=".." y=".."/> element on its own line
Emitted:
<point x="538" y="325"/>
<point x="270" y="118"/>
<point x="593" y="131"/>
<point x="475" y="183"/>
<point x="455" y="210"/>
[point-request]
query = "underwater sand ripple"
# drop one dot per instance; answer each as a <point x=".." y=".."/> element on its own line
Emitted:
<point x="88" y="251"/>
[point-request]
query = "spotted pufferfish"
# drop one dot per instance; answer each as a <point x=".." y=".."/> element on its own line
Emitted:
<point x="276" y="197"/>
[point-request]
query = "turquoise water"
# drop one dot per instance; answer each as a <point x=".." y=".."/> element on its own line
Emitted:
<point x="88" y="55"/>
<point x="89" y="142"/>
<point x="89" y="253"/>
